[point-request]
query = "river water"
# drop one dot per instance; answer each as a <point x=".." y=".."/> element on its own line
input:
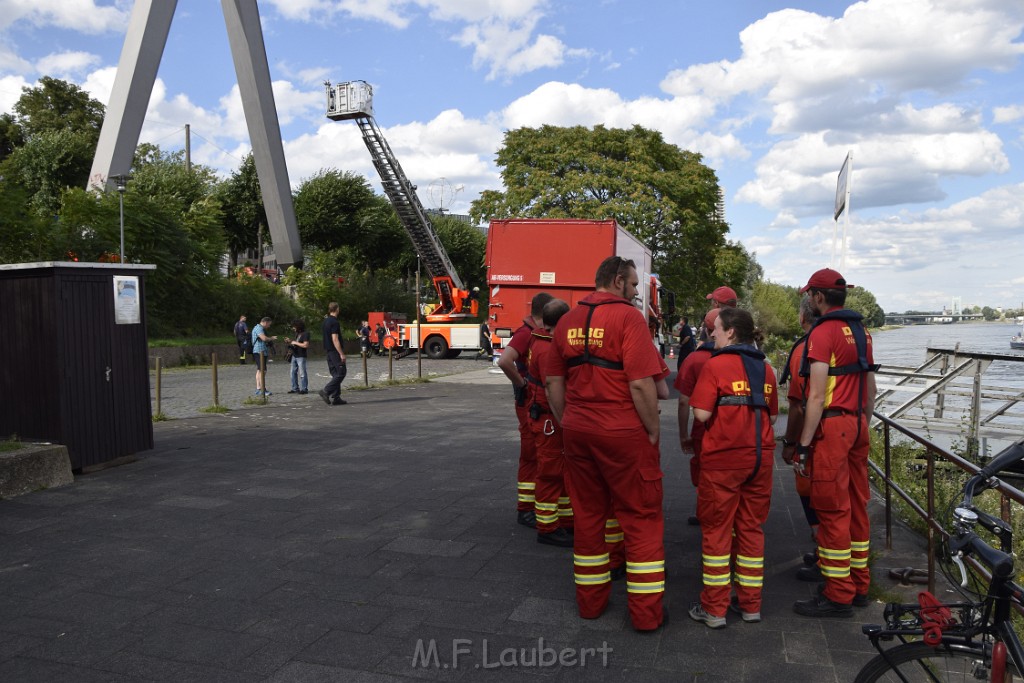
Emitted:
<point x="905" y="347"/>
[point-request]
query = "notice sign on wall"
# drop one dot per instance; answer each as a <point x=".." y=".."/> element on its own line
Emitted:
<point x="126" y="300"/>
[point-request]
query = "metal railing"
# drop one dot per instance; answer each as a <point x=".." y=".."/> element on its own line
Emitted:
<point x="927" y="513"/>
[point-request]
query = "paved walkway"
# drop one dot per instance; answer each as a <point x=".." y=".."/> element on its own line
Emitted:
<point x="369" y="542"/>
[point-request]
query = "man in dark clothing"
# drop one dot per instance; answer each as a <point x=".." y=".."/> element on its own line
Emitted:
<point x="486" y="350"/>
<point x="242" y="337"/>
<point x="331" y="394"/>
<point x="686" y="343"/>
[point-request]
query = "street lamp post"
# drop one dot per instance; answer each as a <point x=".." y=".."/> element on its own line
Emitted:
<point x="122" y="181"/>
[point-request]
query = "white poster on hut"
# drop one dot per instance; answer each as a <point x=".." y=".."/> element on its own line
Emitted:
<point x="126" y="300"/>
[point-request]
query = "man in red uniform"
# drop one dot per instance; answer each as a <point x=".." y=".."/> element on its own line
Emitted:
<point x="840" y="400"/>
<point x="513" y="364"/>
<point x="797" y="396"/>
<point x="737" y="396"/>
<point x="604" y="380"/>
<point x="552" y="505"/>
<point x="686" y="380"/>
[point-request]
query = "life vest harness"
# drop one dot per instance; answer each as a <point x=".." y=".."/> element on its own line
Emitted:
<point x="855" y="321"/>
<point x="786" y="373"/>
<point x="520" y="362"/>
<point x="753" y="367"/>
<point x="588" y="357"/>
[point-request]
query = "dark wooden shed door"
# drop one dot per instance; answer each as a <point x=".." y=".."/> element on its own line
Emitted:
<point x="88" y="392"/>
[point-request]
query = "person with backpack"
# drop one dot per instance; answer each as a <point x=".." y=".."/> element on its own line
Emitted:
<point x="604" y="381"/>
<point x="736" y="397"/>
<point x="242" y="337"/>
<point x="839" y="365"/>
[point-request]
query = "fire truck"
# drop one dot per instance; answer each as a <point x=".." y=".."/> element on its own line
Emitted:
<point x="447" y="330"/>
<point x="526" y="256"/>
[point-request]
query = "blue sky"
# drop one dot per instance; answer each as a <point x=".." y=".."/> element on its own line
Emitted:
<point x="928" y="95"/>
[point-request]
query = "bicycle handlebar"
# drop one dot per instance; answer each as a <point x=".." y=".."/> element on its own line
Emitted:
<point x="1000" y="563"/>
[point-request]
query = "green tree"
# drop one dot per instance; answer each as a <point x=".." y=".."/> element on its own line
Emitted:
<point x="664" y="195"/>
<point x="331" y="208"/>
<point x="49" y="144"/>
<point x="465" y="245"/>
<point x="25" y="236"/>
<point x="775" y="309"/>
<point x="861" y="300"/>
<point x="989" y="313"/>
<point x="11" y="135"/>
<point x="58" y="105"/>
<point x="244" y="216"/>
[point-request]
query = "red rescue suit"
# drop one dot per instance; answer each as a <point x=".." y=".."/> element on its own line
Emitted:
<point x="839" y="480"/>
<point x="797" y="392"/>
<point x="686" y="380"/>
<point x="612" y="468"/>
<point x="552" y="505"/>
<point x="526" y="480"/>
<point x="734" y="492"/>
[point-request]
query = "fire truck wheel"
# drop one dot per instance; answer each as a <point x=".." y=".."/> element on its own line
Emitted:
<point x="436" y="347"/>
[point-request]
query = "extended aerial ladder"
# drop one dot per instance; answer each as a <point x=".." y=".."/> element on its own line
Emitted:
<point x="353" y="100"/>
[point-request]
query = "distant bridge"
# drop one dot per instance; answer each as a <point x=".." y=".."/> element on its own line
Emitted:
<point x="930" y="318"/>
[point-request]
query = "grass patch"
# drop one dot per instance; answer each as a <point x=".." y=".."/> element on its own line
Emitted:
<point x="11" y="444"/>
<point x="389" y="383"/>
<point x="160" y="417"/>
<point x="255" y="401"/>
<point x="215" y="409"/>
<point x="192" y="341"/>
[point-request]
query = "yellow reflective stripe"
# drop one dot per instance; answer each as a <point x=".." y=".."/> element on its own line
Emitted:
<point x="589" y="560"/>
<point x="638" y="566"/>
<point x="527" y="485"/>
<point x="614" y="538"/>
<point x="859" y="563"/>
<point x="546" y="519"/>
<point x="611" y="523"/>
<point x="750" y="562"/>
<point x="716" y="579"/>
<point x="547" y="506"/>
<point x="746" y="580"/>
<point x="526" y="498"/>
<point x="565" y="512"/>
<point x="645" y="587"/>
<point x="592" y="579"/>
<point x="715" y="557"/>
<point x="860" y="546"/>
<point x="832" y="554"/>
<point x="716" y="563"/>
<point x="564" y="500"/>
<point x="835" y="572"/>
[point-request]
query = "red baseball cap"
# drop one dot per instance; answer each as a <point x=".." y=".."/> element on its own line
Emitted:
<point x="711" y="317"/>
<point x="723" y="295"/>
<point x="826" y="278"/>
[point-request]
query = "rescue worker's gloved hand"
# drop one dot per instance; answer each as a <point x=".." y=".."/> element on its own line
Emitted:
<point x="520" y="394"/>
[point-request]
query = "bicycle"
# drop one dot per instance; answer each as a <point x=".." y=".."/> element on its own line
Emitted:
<point x="963" y="641"/>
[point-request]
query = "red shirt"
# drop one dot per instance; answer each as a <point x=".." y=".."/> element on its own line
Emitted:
<point x="540" y="345"/>
<point x="729" y="442"/>
<point x="598" y="400"/>
<point x="520" y="341"/>
<point x="832" y="342"/>
<point x="686" y="380"/>
<point x="797" y="385"/>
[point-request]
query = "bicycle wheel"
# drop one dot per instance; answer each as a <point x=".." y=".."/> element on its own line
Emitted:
<point x="920" y="662"/>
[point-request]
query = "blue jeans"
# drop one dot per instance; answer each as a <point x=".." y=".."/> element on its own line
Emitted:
<point x="299" y="374"/>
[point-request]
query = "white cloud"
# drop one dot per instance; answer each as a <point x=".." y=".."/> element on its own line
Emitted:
<point x="10" y="91"/>
<point x="66" y="64"/>
<point x="85" y="16"/>
<point x="1008" y="114"/>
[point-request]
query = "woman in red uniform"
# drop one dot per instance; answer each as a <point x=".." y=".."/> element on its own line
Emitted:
<point x="736" y="397"/>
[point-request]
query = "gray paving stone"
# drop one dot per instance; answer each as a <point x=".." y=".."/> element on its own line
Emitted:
<point x="345" y="537"/>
